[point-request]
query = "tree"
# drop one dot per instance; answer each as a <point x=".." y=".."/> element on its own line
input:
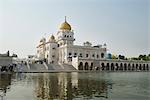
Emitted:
<point x="114" y="56"/>
<point x="144" y="57"/>
<point x="121" y="57"/>
<point x="14" y="55"/>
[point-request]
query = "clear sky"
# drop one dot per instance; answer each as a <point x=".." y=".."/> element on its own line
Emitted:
<point x="124" y="25"/>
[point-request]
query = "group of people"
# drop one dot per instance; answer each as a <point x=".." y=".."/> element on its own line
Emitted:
<point x="8" y="68"/>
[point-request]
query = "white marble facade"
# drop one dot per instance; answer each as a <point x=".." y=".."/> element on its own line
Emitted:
<point x="60" y="48"/>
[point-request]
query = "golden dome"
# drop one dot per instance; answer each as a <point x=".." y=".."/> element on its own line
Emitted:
<point x="65" y="25"/>
<point x="43" y="40"/>
<point x="52" y="38"/>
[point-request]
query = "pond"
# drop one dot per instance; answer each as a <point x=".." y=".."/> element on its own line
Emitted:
<point x="75" y="86"/>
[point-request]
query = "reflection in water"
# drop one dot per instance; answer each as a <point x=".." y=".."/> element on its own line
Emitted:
<point x="78" y="86"/>
<point x="68" y="86"/>
<point x="5" y="82"/>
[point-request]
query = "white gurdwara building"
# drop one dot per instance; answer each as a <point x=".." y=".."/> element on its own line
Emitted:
<point x="60" y="49"/>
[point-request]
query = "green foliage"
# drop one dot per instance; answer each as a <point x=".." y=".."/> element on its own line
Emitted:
<point x="121" y="57"/>
<point x="142" y="57"/>
<point x="114" y="56"/>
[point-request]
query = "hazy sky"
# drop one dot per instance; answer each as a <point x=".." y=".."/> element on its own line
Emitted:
<point x="124" y="25"/>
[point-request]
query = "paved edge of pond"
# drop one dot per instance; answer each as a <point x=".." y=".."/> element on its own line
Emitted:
<point x="53" y="71"/>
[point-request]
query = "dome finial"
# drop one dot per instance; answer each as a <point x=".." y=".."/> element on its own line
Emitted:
<point x="65" y="19"/>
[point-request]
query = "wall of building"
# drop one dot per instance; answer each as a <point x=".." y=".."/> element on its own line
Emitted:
<point x="113" y="65"/>
<point x="67" y="52"/>
<point x="5" y="61"/>
<point x="64" y="37"/>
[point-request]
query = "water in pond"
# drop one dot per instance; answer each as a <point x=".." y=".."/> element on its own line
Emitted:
<point x="75" y="86"/>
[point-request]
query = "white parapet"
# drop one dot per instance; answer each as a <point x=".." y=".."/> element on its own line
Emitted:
<point x="45" y="65"/>
<point x="75" y="62"/>
<point x="28" y="65"/>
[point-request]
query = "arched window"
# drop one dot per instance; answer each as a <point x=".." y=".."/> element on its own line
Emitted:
<point x="107" y="64"/>
<point x="103" y="66"/>
<point x="91" y="67"/>
<point x="102" y="55"/>
<point x="80" y="55"/>
<point x="87" y="55"/>
<point x="117" y="64"/>
<point x="97" y="56"/>
<point x="93" y="55"/>
<point x="80" y="67"/>
<point x="70" y="54"/>
<point x="53" y="56"/>
<point x="75" y="54"/>
<point x="86" y="67"/>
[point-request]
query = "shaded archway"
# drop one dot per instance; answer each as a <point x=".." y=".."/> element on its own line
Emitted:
<point x="129" y="67"/>
<point x="125" y="66"/>
<point x="136" y="67"/>
<point x="86" y="67"/>
<point x="147" y="67"/>
<point x="80" y="67"/>
<point x="112" y="67"/>
<point x="140" y="67"/>
<point x="117" y="67"/>
<point x="107" y="66"/>
<point x="144" y="67"/>
<point x="97" y="68"/>
<point x="121" y="67"/>
<point x="133" y="67"/>
<point x="91" y="67"/>
<point x="103" y="66"/>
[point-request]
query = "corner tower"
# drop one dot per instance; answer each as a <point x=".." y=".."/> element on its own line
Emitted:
<point x="65" y="35"/>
